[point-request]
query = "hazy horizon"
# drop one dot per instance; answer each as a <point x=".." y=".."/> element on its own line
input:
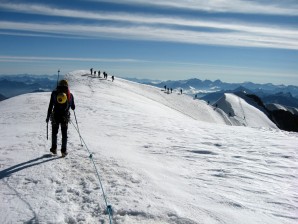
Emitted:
<point x="144" y="78"/>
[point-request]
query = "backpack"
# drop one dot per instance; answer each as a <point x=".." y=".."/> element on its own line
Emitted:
<point x="62" y="99"/>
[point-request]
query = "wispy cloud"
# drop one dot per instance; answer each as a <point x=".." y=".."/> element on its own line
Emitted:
<point x="152" y="19"/>
<point x="5" y="58"/>
<point x="247" y="24"/>
<point x="273" y="7"/>
<point x="269" y="38"/>
<point x="10" y="58"/>
<point x="154" y="27"/>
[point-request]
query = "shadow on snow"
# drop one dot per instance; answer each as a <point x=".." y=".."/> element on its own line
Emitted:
<point x="34" y="162"/>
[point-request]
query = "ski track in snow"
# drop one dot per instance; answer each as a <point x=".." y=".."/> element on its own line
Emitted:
<point x="159" y="161"/>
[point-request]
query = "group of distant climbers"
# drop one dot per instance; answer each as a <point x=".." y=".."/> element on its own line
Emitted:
<point x="105" y="75"/>
<point x="170" y="90"/>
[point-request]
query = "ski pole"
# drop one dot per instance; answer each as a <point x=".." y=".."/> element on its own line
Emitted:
<point x="47" y="130"/>
<point x="78" y="127"/>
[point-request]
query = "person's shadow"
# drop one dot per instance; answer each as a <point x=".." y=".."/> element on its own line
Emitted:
<point x="34" y="162"/>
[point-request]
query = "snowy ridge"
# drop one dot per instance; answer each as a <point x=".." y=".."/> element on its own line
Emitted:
<point x="198" y="110"/>
<point x="242" y="113"/>
<point x="158" y="164"/>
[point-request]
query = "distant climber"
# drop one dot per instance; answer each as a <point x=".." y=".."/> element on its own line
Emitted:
<point x="113" y="78"/>
<point x="181" y="91"/>
<point x="58" y="112"/>
<point x="105" y="75"/>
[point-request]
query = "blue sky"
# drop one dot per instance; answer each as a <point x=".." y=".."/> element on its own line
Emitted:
<point x="230" y="40"/>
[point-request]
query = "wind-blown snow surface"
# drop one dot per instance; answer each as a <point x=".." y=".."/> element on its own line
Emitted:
<point x="159" y="161"/>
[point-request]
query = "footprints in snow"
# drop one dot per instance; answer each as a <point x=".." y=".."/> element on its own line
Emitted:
<point x="77" y="190"/>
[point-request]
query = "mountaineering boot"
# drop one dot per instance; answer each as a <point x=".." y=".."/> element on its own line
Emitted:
<point x="53" y="150"/>
<point x="64" y="152"/>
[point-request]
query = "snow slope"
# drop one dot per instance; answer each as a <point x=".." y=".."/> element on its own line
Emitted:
<point x="242" y="113"/>
<point x="198" y="110"/>
<point x="159" y="162"/>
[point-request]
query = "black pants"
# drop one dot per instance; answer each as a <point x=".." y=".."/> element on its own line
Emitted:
<point x="56" y="122"/>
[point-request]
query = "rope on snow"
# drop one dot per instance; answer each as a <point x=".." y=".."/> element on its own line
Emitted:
<point x="109" y="207"/>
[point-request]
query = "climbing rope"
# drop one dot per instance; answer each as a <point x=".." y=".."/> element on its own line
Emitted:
<point x="78" y="127"/>
<point x="109" y="207"/>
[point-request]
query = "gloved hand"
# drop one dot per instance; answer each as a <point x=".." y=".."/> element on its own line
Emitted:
<point x="47" y="120"/>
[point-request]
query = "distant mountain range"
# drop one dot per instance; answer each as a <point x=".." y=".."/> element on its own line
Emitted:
<point x="13" y="85"/>
<point x="198" y="86"/>
<point x="213" y="90"/>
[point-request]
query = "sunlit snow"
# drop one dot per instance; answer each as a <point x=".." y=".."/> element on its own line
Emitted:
<point x="162" y="158"/>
